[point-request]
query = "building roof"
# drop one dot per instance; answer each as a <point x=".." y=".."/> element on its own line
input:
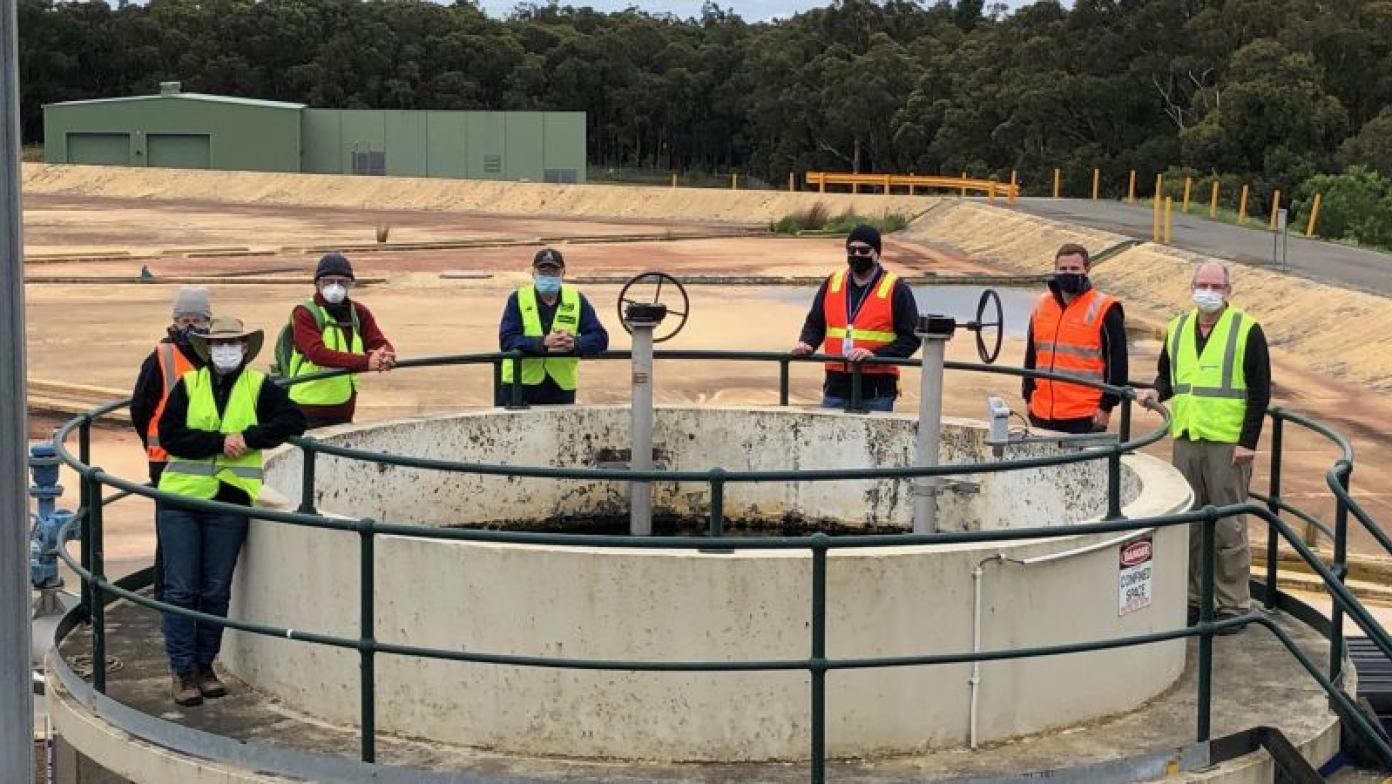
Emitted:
<point x="187" y="97"/>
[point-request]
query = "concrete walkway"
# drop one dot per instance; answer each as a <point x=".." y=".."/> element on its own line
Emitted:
<point x="1367" y="270"/>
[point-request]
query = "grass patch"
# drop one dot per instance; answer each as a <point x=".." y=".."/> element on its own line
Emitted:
<point x="817" y="218"/>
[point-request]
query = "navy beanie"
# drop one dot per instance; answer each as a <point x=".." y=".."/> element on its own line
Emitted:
<point x="334" y="264"/>
<point x="866" y="234"/>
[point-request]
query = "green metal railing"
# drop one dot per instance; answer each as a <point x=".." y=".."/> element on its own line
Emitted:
<point x="98" y="590"/>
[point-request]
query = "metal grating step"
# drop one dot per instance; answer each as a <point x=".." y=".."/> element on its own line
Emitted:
<point x="1374" y="677"/>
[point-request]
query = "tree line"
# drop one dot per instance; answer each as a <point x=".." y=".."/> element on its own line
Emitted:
<point x="1271" y="91"/>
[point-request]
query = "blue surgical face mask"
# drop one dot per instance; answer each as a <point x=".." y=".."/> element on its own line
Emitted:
<point x="547" y="284"/>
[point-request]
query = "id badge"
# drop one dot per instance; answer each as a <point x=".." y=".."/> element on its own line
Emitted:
<point x="848" y="342"/>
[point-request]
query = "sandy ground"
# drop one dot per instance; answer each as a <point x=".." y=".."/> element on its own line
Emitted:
<point x="97" y="334"/>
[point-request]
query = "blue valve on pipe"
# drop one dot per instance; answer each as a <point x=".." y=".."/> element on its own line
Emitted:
<point x="49" y="521"/>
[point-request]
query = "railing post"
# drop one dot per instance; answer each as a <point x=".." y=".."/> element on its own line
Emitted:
<point x="98" y="608"/>
<point x="498" y="376"/>
<point x="1124" y="428"/>
<point x="1114" y="483"/>
<point x="367" y="643"/>
<point x="783" y="381"/>
<point x="309" y="451"/>
<point x="717" y="502"/>
<point x="818" y="661"/>
<point x="1205" y="695"/>
<point x="1273" y="505"/>
<point x="84" y="455"/>
<point x="1340" y="569"/>
<point x="515" y="400"/>
<point x="855" y="405"/>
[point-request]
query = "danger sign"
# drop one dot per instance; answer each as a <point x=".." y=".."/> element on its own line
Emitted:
<point x="1135" y="582"/>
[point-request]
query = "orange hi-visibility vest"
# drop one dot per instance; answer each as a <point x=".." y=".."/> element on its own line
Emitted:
<point x="173" y="365"/>
<point x="870" y="327"/>
<point x="1068" y="340"/>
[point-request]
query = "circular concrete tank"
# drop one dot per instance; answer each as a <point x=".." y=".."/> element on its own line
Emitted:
<point x="689" y="604"/>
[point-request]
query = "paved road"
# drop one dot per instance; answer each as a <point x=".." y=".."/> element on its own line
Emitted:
<point x="1362" y="269"/>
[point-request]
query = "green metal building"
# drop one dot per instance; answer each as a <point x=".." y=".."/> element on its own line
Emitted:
<point x="195" y="131"/>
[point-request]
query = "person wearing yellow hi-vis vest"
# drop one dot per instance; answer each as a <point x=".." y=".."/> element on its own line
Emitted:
<point x="215" y="424"/>
<point x="861" y="311"/>
<point x="554" y="325"/>
<point x="1215" y="370"/>
<point x="333" y="331"/>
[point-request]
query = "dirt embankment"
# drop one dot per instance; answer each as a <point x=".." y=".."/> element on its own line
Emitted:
<point x="1332" y="330"/>
<point x="405" y="193"/>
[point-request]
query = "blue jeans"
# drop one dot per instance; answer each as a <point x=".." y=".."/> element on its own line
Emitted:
<point x="200" y="554"/>
<point x="870" y="403"/>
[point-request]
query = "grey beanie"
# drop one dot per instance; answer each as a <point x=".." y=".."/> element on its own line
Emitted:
<point x="193" y="301"/>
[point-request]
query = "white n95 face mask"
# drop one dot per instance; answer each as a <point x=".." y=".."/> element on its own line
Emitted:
<point x="1207" y="301"/>
<point x="226" y="357"/>
<point x="334" y="293"/>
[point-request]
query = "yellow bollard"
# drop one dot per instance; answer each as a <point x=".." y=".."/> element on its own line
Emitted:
<point x="1159" y="186"/>
<point x="991" y="193"/>
<point x="1169" y="219"/>
<point x="1096" y="183"/>
<point x="886" y="184"/>
<point x="1314" y="216"/>
<point x="855" y="187"/>
<point x="674" y="179"/>
<point x="1188" y="183"/>
<point x="1213" y="202"/>
<point x="1010" y="197"/>
<point x="912" y="188"/>
<point x="1155" y="219"/>
<point x="1242" y="208"/>
<point x="1275" y="208"/>
<point x="1057" y="174"/>
<point x="821" y="182"/>
<point x="964" y="187"/>
<point x="792" y="181"/>
<point x="1131" y="189"/>
<point x="734" y="182"/>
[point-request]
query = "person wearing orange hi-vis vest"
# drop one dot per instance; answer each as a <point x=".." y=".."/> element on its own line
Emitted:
<point x="861" y="311"/>
<point x="1078" y="331"/>
<point x="172" y="358"/>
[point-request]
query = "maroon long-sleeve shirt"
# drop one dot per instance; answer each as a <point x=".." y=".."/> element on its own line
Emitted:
<point x="309" y="340"/>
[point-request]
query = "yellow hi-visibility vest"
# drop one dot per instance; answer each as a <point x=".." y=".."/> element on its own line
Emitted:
<point x="324" y="391"/>
<point x="563" y="370"/>
<point x="1210" y="389"/>
<point x="200" y="478"/>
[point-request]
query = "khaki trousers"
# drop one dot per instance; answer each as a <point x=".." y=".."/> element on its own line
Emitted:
<point x="1208" y="467"/>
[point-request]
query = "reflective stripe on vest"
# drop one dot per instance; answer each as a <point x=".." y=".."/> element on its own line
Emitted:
<point x="872" y="327"/>
<point x="1068" y="341"/>
<point x="562" y="370"/>
<point x="324" y="391"/>
<point x="173" y="365"/>
<point x="201" y="478"/>
<point x="1210" y="388"/>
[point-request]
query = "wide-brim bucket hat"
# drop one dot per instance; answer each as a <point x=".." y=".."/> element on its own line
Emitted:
<point x="228" y="328"/>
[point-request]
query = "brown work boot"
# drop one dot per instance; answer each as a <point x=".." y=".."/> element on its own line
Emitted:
<point x="208" y="684"/>
<point x="185" y="690"/>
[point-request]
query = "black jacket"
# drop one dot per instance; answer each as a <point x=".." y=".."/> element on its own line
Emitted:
<point x="1256" y="372"/>
<point x="905" y="343"/>
<point x="149" y="389"/>
<point x="278" y="417"/>
<point x="1113" y="348"/>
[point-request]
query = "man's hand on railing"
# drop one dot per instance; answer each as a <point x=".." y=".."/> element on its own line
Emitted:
<point x="1148" y="398"/>
<point x="801" y="350"/>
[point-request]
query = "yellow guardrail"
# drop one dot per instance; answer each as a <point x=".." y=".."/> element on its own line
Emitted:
<point x="885" y="182"/>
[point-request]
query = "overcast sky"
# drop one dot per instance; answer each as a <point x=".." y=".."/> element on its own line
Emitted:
<point x="750" y="10"/>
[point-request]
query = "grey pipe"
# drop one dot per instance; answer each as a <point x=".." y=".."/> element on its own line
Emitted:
<point x="925" y="489"/>
<point x="16" y="690"/>
<point x="641" y="419"/>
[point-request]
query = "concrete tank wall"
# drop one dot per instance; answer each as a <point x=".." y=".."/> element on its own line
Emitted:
<point x="688" y="604"/>
<point x="688" y="439"/>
